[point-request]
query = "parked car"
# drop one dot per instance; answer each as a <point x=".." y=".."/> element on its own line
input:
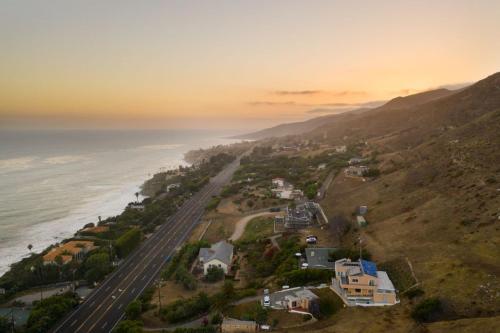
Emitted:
<point x="285" y="287"/>
<point x="311" y="239"/>
<point x="274" y="209"/>
<point x="267" y="300"/>
<point x="266" y="291"/>
<point x="304" y="265"/>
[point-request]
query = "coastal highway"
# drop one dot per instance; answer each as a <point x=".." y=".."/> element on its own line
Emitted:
<point x="105" y="306"/>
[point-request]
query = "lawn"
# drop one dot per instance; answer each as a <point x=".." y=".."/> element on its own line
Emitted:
<point x="257" y="229"/>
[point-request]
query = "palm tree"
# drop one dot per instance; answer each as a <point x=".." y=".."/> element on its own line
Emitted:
<point x="30" y="247"/>
<point x="137" y="196"/>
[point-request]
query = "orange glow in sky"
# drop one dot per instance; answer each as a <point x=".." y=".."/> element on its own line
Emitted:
<point x="231" y="64"/>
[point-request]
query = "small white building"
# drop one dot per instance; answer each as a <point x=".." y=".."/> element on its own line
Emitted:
<point x="340" y="149"/>
<point x="137" y="206"/>
<point x="219" y="255"/>
<point x="173" y="186"/>
<point x="322" y="166"/>
<point x="278" y="182"/>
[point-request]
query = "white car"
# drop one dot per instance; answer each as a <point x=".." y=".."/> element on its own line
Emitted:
<point x="311" y="239"/>
<point x="267" y="300"/>
<point x="285" y="287"/>
<point x="304" y="265"/>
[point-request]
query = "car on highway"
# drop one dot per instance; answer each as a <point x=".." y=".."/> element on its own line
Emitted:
<point x="267" y="300"/>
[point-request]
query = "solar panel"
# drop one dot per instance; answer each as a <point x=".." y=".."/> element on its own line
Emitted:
<point x="369" y="267"/>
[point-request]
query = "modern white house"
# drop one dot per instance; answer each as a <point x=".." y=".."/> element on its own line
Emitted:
<point x="219" y="255"/>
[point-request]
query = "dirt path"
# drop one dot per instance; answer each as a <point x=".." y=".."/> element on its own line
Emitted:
<point x="242" y="223"/>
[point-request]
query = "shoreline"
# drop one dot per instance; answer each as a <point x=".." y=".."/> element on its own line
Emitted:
<point x="108" y="204"/>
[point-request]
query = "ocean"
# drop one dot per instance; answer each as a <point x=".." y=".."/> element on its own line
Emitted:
<point x="54" y="182"/>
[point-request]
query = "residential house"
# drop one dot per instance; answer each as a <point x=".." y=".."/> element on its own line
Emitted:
<point x="361" y="221"/>
<point x="298" y="217"/>
<point x="355" y="160"/>
<point x="230" y="325"/>
<point x="356" y="171"/>
<point x="362" y="210"/>
<point x="299" y="299"/>
<point x="359" y="283"/>
<point x="284" y="190"/>
<point x="172" y="187"/>
<point x="219" y="255"/>
<point x="278" y="182"/>
<point x="340" y="149"/>
<point x="319" y="257"/>
<point x="72" y="250"/>
<point x="137" y="206"/>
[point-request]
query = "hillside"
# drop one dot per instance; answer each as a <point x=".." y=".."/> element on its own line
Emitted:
<point x="437" y="201"/>
<point x="297" y="127"/>
<point x="314" y="123"/>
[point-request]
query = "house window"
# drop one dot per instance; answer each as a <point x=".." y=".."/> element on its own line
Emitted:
<point x="372" y="282"/>
<point x="357" y="290"/>
<point x="220" y="266"/>
<point x="355" y="280"/>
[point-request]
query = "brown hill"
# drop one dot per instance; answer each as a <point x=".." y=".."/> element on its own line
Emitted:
<point x="314" y="123"/>
<point x="437" y="201"/>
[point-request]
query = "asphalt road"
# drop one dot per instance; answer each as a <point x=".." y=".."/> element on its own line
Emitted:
<point x="104" y="308"/>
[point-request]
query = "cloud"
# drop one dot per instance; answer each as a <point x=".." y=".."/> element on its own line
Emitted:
<point x="341" y="93"/>
<point x="270" y="103"/>
<point x="297" y="92"/>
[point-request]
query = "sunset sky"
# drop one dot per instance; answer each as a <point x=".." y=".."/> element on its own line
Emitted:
<point x="230" y="64"/>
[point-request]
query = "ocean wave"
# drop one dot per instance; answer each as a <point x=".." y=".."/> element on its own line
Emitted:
<point x="17" y="164"/>
<point x="64" y="159"/>
<point x="160" y="147"/>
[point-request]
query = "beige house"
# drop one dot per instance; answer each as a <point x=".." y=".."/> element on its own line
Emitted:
<point x="359" y="283"/>
<point x="72" y="250"/>
<point x="219" y="255"/>
<point x="230" y="325"/>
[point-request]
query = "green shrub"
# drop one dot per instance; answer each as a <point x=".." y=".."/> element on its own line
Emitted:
<point x="214" y="274"/>
<point x="134" y="309"/>
<point x="206" y="329"/>
<point x="128" y="242"/>
<point x="216" y="319"/>
<point x="301" y="277"/>
<point x="48" y="311"/>
<point x="426" y="310"/>
<point x="186" y="308"/>
<point x="415" y="292"/>
<point x="129" y="326"/>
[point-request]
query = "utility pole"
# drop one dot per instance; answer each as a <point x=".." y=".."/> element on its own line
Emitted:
<point x="360" y="249"/>
<point x="159" y="296"/>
